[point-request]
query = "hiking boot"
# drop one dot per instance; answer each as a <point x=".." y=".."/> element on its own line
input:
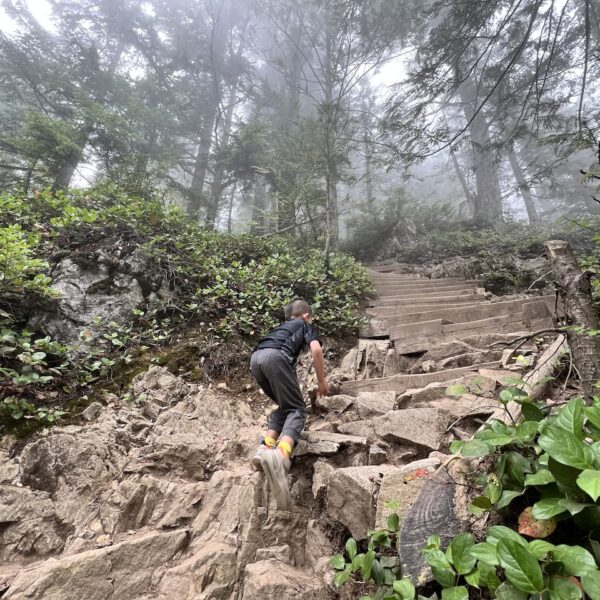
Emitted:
<point x="276" y="468"/>
<point x="256" y="458"/>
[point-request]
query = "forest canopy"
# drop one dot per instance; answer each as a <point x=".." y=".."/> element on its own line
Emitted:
<point x="298" y="117"/>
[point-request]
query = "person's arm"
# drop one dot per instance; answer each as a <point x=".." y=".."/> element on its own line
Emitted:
<point x="319" y="365"/>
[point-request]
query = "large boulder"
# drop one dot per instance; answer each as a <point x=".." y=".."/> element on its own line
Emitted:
<point x="273" y="580"/>
<point x="351" y="494"/>
<point x="414" y="426"/>
<point x="125" y="571"/>
<point x="29" y="524"/>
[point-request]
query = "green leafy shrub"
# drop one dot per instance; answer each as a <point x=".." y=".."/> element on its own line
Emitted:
<point x="378" y="567"/>
<point x="20" y="271"/>
<point x="223" y="290"/>
<point x="546" y="470"/>
<point x="509" y="566"/>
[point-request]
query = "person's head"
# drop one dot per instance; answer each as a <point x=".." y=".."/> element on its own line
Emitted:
<point x="287" y="310"/>
<point x="301" y="310"/>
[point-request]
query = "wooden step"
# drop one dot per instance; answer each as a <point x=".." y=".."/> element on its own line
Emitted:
<point x="457" y="314"/>
<point x="442" y="283"/>
<point x="422" y="344"/>
<point x="418" y="301"/>
<point x="401" y="383"/>
<point x="414" y="291"/>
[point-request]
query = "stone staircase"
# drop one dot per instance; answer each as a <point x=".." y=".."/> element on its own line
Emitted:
<point x="394" y="408"/>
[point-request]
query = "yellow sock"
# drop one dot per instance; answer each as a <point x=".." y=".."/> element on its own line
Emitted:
<point x="286" y="448"/>
<point x="270" y="442"/>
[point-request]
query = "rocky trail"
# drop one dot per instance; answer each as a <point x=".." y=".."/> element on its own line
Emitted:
<point x="154" y="499"/>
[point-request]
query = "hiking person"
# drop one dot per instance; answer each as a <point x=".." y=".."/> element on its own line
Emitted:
<point x="273" y="366"/>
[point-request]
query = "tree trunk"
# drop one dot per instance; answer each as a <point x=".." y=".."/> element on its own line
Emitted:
<point x="201" y="164"/>
<point x="524" y="188"/>
<point x="217" y="183"/>
<point x="209" y="115"/>
<point x="488" y="206"/>
<point x="469" y="198"/>
<point x="369" y="179"/>
<point x="259" y="208"/>
<point x="575" y="291"/>
<point x="230" y="210"/>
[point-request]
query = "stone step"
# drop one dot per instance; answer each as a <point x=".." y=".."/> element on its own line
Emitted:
<point x="458" y="314"/>
<point x="401" y="383"/>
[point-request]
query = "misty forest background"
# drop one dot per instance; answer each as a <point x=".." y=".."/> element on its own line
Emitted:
<point x="327" y="120"/>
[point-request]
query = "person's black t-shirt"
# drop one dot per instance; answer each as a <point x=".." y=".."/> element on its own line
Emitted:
<point x="291" y="337"/>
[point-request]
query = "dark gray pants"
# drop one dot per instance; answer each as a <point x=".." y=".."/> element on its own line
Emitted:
<point x="273" y="372"/>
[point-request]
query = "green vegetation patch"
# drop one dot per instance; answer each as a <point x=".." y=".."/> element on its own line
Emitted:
<point x="221" y="289"/>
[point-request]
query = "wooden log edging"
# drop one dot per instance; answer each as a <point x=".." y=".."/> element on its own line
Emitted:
<point x="441" y="507"/>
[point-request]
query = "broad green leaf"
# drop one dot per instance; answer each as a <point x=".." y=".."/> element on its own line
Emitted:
<point x="377" y="573"/>
<point x="593" y="414"/>
<point x="547" y="508"/>
<point x="487" y="576"/>
<point x="482" y="503"/>
<point x="589" y="482"/>
<point x="541" y="548"/>
<point x="489" y="436"/>
<point x="531" y="412"/>
<point x="561" y="588"/>
<point x="520" y="566"/>
<point x="473" y="578"/>
<point x="455" y="593"/>
<point x="565" y="448"/>
<point x="445" y="577"/>
<point x="351" y="548"/>
<point x="341" y="577"/>
<point x="485" y="552"/>
<point x="493" y="490"/>
<point x="404" y="588"/>
<point x="368" y="564"/>
<point x="507" y="591"/>
<point x="566" y="477"/>
<point x="517" y="466"/>
<point x="357" y="563"/>
<point x="475" y="448"/>
<point x="526" y="431"/>
<point x="455" y="446"/>
<point x="507" y="497"/>
<point x="337" y="562"/>
<point x="572" y="506"/>
<point x="542" y="477"/>
<point x="462" y="560"/>
<point x="570" y="417"/>
<point x="499" y="532"/>
<point x="591" y="584"/>
<point x="575" y="559"/>
<point x="393" y="522"/>
<point x="435" y="558"/>
<point x="434" y="541"/>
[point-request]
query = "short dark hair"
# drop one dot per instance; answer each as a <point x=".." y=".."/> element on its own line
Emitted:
<point x="287" y="310"/>
<point x="300" y="307"/>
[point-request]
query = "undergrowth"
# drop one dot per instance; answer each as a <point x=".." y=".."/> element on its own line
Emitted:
<point x="214" y="289"/>
<point x="542" y="481"/>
